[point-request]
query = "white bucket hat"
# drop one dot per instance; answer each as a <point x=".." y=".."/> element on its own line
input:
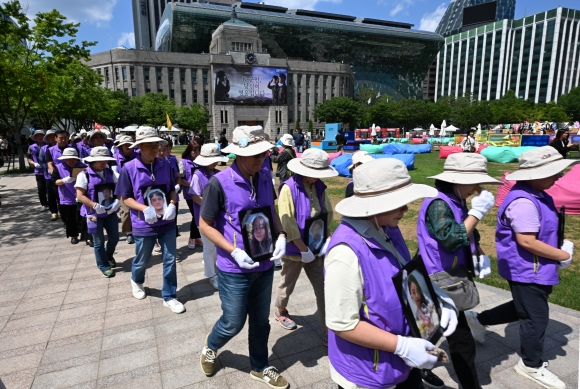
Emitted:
<point x="313" y="163"/>
<point x="49" y="132"/>
<point x="209" y="154"/>
<point x="124" y="140"/>
<point x="287" y="140"/>
<point x="69" y="153"/>
<point x="38" y="132"/>
<point x="99" y="153"/>
<point x="96" y="132"/>
<point x="360" y="157"/>
<point x="248" y="141"/>
<point x="466" y="169"/>
<point x="380" y="186"/>
<point x="541" y="162"/>
<point x="147" y="135"/>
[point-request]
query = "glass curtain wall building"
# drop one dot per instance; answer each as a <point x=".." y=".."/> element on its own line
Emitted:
<point x="452" y="20"/>
<point x="537" y="57"/>
<point x="386" y="56"/>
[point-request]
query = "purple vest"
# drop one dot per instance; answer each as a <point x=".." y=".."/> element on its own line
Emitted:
<point x="301" y="206"/>
<point x="435" y="257"/>
<point x="35" y="150"/>
<point x="56" y="152"/>
<point x="95" y="179"/>
<point x="189" y="168"/>
<point x="44" y="150"/>
<point x="237" y="193"/>
<point x="174" y="164"/>
<point x="67" y="193"/>
<point x="204" y="175"/>
<point x="514" y="262"/>
<point x="121" y="159"/>
<point x="381" y="308"/>
<point x="140" y="177"/>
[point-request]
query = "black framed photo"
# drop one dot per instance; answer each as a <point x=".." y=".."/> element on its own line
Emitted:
<point x="257" y="232"/>
<point x="155" y="196"/>
<point x="315" y="230"/>
<point x="419" y="301"/>
<point x="105" y="194"/>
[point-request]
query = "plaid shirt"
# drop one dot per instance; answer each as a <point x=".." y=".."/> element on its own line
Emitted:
<point x="442" y="225"/>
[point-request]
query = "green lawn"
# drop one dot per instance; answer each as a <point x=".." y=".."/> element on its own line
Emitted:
<point x="565" y="294"/>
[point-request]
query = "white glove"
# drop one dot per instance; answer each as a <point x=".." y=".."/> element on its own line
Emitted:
<point x="414" y="352"/>
<point x="568" y="247"/>
<point x="68" y="180"/>
<point x="481" y="204"/>
<point x="448" y="319"/>
<point x="279" y="249"/>
<point x="37" y="165"/>
<point x="170" y="212"/>
<point x="150" y="215"/>
<point x="307" y="256"/>
<point x="484" y="266"/>
<point x="99" y="209"/>
<point x="325" y="247"/>
<point x="114" y="207"/>
<point x="177" y="188"/>
<point x="243" y="260"/>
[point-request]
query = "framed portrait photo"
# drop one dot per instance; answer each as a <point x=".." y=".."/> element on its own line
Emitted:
<point x="315" y="232"/>
<point x="419" y="301"/>
<point x="105" y="194"/>
<point x="155" y="196"/>
<point x="258" y="232"/>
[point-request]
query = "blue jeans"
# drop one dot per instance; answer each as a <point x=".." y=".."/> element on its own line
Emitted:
<point x="245" y="295"/>
<point x="102" y="254"/>
<point x="144" y="248"/>
<point x="300" y="148"/>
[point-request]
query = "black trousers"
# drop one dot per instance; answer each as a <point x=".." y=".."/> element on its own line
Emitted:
<point x="82" y="225"/>
<point x="41" y="186"/>
<point x="530" y="307"/>
<point x="193" y="229"/>
<point x="414" y="381"/>
<point x="52" y="196"/>
<point x="69" y="216"/>
<point x="462" y="350"/>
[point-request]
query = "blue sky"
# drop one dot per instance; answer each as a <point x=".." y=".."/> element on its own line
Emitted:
<point x="110" y="22"/>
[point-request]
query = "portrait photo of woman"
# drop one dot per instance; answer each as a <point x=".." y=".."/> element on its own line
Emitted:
<point x="106" y="197"/>
<point x="261" y="236"/>
<point x="421" y="303"/>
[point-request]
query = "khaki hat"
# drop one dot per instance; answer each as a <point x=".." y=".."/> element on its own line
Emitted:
<point x="287" y="140"/>
<point x="466" y="169"/>
<point x="380" y="186"/>
<point x="69" y="153"/>
<point x="49" y="132"/>
<point x="99" y="153"/>
<point x="96" y="132"/>
<point x="248" y="141"/>
<point x="38" y="132"/>
<point x="360" y="157"/>
<point x="124" y="140"/>
<point x="147" y="135"/>
<point x="313" y="163"/>
<point x="209" y="154"/>
<point x="541" y="162"/>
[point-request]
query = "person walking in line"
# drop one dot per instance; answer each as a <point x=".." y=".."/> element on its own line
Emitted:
<point x="189" y="155"/>
<point x="143" y="175"/>
<point x="123" y="154"/>
<point x="64" y="178"/>
<point x="448" y="239"/>
<point x="284" y="157"/>
<point x="369" y="342"/>
<point x="529" y="257"/>
<point x="301" y="198"/>
<point x="223" y="141"/>
<point x="51" y="194"/>
<point x="33" y="156"/>
<point x="206" y="163"/>
<point x="99" y="218"/>
<point x="245" y="286"/>
<point x="358" y="159"/>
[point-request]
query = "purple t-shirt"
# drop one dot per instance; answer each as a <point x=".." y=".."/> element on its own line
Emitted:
<point x="523" y="216"/>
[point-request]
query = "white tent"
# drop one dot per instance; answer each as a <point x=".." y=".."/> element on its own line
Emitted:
<point x="172" y="131"/>
<point x="478" y="132"/>
<point x="452" y="128"/>
<point x="432" y="130"/>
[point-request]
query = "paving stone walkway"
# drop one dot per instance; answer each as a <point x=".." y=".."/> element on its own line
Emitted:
<point x="63" y="325"/>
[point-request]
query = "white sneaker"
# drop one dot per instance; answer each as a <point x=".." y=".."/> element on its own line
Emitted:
<point x="477" y="330"/>
<point x="214" y="281"/>
<point x="138" y="290"/>
<point x="157" y="248"/>
<point x="540" y="375"/>
<point x="191" y="244"/>
<point x="43" y="208"/>
<point x="278" y="262"/>
<point x="174" y="305"/>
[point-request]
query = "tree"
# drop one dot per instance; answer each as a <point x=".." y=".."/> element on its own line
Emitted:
<point x="193" y="118"/>
<point x="339" y="110"/>
<point x="310" y="126"/>
<point x="155" y="108"/>
<point x="557" y="114"/>
<point x="120" y="110"/>
<point x="571" y="103"/>
<point x="32" y="54"/>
